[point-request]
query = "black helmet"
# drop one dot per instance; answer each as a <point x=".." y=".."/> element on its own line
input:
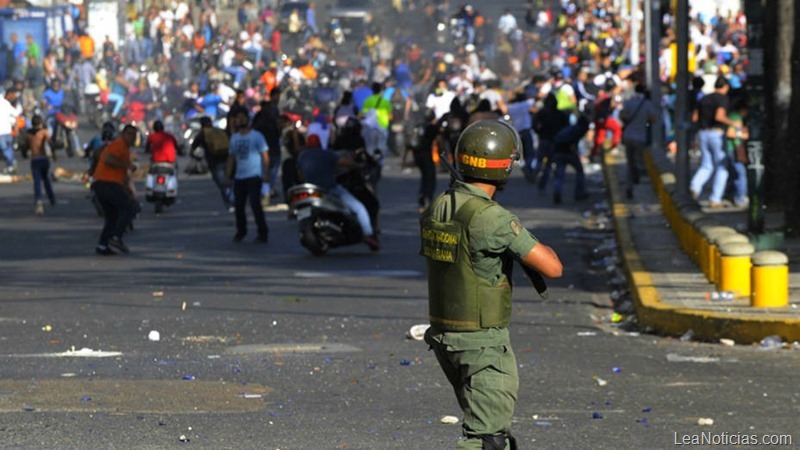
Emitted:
<point x="487" y="150"/>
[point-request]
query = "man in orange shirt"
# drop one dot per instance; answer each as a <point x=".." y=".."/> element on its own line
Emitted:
<point x="86" y="44"/>
<point x="110" y="186"/>
<point x="270" y="78"/>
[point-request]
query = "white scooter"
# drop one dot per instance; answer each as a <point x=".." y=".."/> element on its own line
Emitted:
<point x="161" y="185"/>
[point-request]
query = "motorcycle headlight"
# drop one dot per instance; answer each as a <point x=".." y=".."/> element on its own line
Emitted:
<point x="187" y="134"/>
<point x="440" y="26"/>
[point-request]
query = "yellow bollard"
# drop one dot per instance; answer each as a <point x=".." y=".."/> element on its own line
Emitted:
<point x="698" y="240"/>
<point x="770" y="275"/>
<point x="690" y="233"/>
<point x="710" y="235"/>
<point x="734" y="275"/>
<point x="734" y="238"/>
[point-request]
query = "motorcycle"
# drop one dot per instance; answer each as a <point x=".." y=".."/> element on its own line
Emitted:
<point x="441" y="33"/>
<point x="65" y="133"/>
<point x="197" y="163"/>
<point x="458" y="32"/>
<point x="324" y="221"/>
<point x="98" y="111"/>
<point x="161" y="185"/>
<point x="337" y="33"/>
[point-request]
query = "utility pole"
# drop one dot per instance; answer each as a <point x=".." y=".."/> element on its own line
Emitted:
<point x="636" y="27"/>
<point x="682" y="97"/>
<point x="652" y="30"/>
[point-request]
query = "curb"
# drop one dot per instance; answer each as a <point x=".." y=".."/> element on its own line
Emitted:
<point x="673" y="320"/>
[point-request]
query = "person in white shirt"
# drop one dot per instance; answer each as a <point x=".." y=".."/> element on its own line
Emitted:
<point x="507" y="22"/>
<point x="486" y="74"/>
<point x="227" y="60"/>
<point x="462" y="85"/>
<point x="252" y="44"/>
<point x="8" y="120"/>
<point x="181" y="10"/>
<point x="495" y="98"/>
<point x="439" y="100"/>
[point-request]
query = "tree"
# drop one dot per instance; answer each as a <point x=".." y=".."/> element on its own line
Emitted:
<point x="781" y="137"/>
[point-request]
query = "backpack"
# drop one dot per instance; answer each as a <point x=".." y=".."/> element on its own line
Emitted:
<point x="217" y="142"/>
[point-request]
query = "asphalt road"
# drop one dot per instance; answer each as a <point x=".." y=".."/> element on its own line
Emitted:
<point x="291" y="351"/>
<point x="267" y="347"/>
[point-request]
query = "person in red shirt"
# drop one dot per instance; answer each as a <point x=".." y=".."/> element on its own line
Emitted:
<point x="161" y="145"/>
<point x="275" y="44"/>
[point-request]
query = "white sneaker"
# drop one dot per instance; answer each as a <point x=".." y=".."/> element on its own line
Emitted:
<point x="39" y="208"/>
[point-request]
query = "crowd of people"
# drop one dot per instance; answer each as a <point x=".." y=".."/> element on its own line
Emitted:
<point x="562" y="77"/>
<point x="281" y="99"/>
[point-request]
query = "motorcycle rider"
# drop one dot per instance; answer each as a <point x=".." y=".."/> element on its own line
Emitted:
<point x="52" y="101"/>
<point x="325" y="95"/>
<point x="354" y="180"/>
<point x="161" y="145"/>
<point x="318" y="166"/>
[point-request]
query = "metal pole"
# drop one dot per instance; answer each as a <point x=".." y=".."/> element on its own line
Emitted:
<point x="652" y="10"/>
<point x="635" y="28"/>
<point x="755" y="89"/>
<point x="682" y="97"/>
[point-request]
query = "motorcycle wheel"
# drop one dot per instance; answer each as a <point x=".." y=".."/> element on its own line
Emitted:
<point x="310" y="241"/>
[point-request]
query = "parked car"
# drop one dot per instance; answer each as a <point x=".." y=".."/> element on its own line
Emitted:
<point x="352" y="15"/>
<point x="285" y="12"/>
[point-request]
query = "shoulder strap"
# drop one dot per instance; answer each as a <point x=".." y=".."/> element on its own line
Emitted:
<point x="471" y="207"/>
<point x="635" y="113"/>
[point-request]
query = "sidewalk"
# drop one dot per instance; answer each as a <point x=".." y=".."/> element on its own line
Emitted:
<point x="670" y="293"/>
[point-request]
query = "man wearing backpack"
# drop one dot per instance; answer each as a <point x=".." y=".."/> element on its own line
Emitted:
<point x="215" y="142"/>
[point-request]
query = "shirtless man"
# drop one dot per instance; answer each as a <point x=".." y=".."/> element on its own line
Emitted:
<point x="37" y="138"/>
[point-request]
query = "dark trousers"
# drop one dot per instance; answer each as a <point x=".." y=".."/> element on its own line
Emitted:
<point x="544" y="158"/>
<point x="40" y="168"/>
<point x="117" y="209"/>
<point x="427" y="186"/>
<point x="247" y="191"/>
<point x="633" y="154"/>
<point x="217" y="170"/>
<point x="562" y="160"/>
<point x="288" y="176"/>
<point x="528" y="153"/>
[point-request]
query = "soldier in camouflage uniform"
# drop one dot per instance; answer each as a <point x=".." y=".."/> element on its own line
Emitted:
<point x="470" y="243"/>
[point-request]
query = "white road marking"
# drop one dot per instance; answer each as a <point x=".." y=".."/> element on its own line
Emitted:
<point x="82" y="353"/>
<point x="360" y="273"/>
